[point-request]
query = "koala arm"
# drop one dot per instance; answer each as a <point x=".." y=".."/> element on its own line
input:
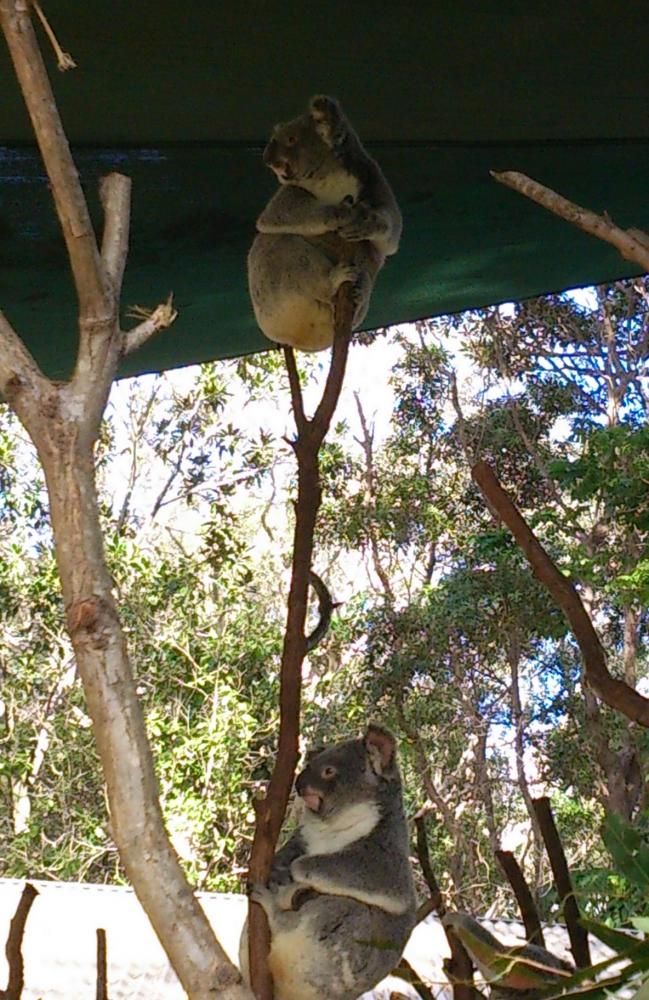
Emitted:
<point x="280" y="872"/>
<point x="377" y="219"/>
<point x="296" y="211"/>
<point x="355" y="874"/>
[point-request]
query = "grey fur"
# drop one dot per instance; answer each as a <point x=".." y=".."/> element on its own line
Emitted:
<point x="333" y="219"/>
<point x="340" y="902"/>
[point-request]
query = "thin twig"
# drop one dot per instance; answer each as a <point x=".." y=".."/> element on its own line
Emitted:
<point x="296" y="390"/>
<point x="13" y="947"/>
<point x="577" y="934"/>
<point x="631" y="243"/>
<point x="614" y="692"/>
<point x="64" y="180"/>
<point x="64" y="60"/>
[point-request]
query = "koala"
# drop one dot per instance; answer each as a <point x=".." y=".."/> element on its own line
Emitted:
<point x="334" y="219"/>
<point x="340" y="902"/>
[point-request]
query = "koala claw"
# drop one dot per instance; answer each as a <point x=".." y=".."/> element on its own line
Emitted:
<point x="342" y="273"/>
<point x="259" y="893"/>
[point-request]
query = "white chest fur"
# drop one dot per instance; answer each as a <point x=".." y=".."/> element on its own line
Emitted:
<point x="334" y="834"/>
<point x="333" y="189"/>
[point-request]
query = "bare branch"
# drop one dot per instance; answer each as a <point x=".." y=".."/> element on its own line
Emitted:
<point x="102" y="970"/>
<point x="296" y="389"/>
<point x="13" y="947"/>
<point x="577" y="934"/>
<point x="614" y="692"/>
<point x="524" y="898"/>
<point x="64" y="60"/>
<point x="629" y="242"/>
<point x="159" y="319"/>
<point x="115" y="194"/>
<point x="17" y="367"/>
<point x="68" y="197"/>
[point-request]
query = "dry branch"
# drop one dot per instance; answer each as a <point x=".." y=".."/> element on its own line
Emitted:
<point x="101" y="992"/>
<point x="524" y="898"/>
<point x="157" y="319"/>
<point x="271" y="809"/>
<point x="631" y="243"/>
<point x="577" y="934"/>
<point x="13" y="947"/>
<point x="614" y="692"/>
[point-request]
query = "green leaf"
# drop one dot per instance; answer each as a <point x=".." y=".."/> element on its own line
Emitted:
<point x="629" y="851"/>
<point x="617" y="940"/>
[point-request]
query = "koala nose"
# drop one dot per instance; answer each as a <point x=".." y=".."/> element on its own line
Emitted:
<point x="300" y="784"/>
<point x="269" y="153"/>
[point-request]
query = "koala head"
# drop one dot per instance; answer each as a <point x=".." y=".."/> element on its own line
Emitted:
<point x="307" y="146"/>
<point x="350" y="773"/>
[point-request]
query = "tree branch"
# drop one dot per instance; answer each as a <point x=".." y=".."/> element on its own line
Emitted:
<point x="524" y="898"/>
<point x="631" y="243"/>
<point x="614" y="692"/>
<point x="161" y="317"/>
<point x="15" y="17"/>
<point x="459" y="967"/>
<point x="326" y="608"/>
<point x="115" y="195"/>
<point x="271" y="809"/>
<point x="13" y="948"/>
<point x="101" y="992"/>
<point x="577" y="934"/>
<point x="296" y="389"/>
<point x="17" y="367"/>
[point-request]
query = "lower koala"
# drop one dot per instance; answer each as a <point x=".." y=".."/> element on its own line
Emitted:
<point x="334" y="219"/>
<point x="340" y="902"/>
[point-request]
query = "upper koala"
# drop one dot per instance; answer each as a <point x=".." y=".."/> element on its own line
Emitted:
<point x="333" y="219"/>
<point x="340" y="901"/>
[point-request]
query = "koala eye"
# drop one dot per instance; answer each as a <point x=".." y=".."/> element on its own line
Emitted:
<point x="328" y="772"/>
<point x="291" y="140"/>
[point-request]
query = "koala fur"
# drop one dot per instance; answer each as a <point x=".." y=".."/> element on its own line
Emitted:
<point x="333" y="219"/>
<point x="340" y="902"/>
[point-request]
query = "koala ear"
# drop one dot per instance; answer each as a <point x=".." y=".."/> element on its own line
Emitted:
<point x="380" y="746"/>
<point x="328" y="119"/>
<point x="312" y="753"/>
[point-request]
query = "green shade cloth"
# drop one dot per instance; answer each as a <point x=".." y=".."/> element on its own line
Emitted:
<point x="182" y="98"/>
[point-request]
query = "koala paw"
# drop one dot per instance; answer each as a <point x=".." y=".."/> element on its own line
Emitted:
<point x="299" y="869"/>
<point x="272" y="897"/>
<point x="363" y="224"/>
<point x="337" y="216"/>
<point x="340" y="274"/>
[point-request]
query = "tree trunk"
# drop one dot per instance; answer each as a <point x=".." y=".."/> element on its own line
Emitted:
<point x="150" y="862"/>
